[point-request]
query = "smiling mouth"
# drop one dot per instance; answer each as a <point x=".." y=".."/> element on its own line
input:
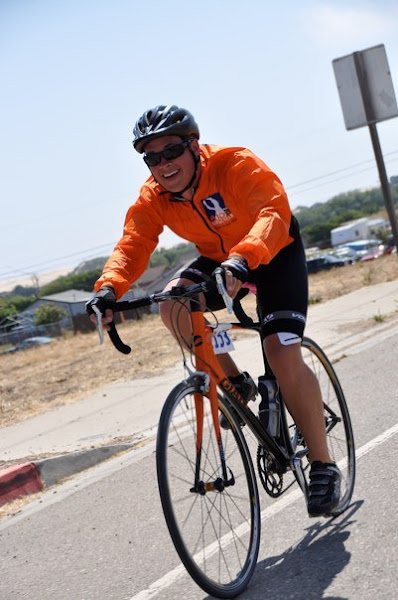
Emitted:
<point x="167" y="175"/>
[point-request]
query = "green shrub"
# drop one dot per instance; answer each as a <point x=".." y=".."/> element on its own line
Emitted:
<point x="48" y="313"/>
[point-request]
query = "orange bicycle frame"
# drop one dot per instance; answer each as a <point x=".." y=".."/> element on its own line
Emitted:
<point x="206" y="362"/>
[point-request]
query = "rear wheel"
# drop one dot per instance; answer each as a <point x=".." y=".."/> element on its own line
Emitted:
<point x="215" y="528"/>
<point x="340" y="438"/>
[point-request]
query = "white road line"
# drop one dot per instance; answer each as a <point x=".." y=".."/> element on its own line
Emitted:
<point x="167" y="580"/>
<point x="380" y="439"/>
<point x="173" y="576"/>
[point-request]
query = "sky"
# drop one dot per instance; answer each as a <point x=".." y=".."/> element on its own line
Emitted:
<point x="76" y="75"/>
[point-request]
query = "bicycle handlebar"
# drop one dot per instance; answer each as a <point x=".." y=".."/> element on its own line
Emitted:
<point x="174" y="293"/>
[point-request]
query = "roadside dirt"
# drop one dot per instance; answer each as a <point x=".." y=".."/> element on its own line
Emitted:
<point x="73" y="367"/>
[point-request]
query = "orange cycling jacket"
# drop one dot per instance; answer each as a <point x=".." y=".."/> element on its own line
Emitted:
<point x="239" y="208"/>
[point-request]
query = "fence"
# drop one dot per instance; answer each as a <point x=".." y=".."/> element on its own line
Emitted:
<point x="20" y="333"/>
<point x="80" y="324"/>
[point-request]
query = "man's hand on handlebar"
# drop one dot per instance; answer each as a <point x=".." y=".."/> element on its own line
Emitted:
<point x="98" y="302"/>
<point x="235" y="272"/>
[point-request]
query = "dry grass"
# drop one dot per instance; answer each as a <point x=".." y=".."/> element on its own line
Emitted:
<point x="327" y="285"/>
<point x="70" y="369"/>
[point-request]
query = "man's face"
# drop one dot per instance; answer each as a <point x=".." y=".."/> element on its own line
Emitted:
<point x="173" y="174"/>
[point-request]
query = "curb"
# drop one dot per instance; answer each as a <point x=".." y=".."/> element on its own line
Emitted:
<point x="19" y="480"/>
<point x="29" y="478"/>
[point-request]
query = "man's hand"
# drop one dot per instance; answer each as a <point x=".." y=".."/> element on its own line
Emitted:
<point x="236" y="272"/>
<point x="104" y="295"/>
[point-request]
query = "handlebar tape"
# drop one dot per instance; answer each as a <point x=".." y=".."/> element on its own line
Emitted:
<point x="116" y="341"/>
<point x="117" y="307"/>
<point x="240" y="313"/>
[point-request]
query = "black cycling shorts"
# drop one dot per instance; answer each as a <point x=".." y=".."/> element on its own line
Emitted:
<point x="282" y="288"/>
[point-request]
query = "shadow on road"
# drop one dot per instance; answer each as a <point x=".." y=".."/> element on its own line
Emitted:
<point x="306" y="570"/>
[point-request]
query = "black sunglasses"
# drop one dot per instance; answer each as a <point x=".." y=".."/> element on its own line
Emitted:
<point x="154" y="158"/>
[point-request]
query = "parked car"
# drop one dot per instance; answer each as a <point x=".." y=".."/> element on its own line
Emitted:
<point x="375" y="252"/>
<point x="326" y="261"/>
<point x="343" y="252"/>
<point x="361" y="247"/>
<point x="30" y="343"/>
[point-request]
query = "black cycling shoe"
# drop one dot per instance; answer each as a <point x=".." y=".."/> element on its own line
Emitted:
<point x="324" y="489"/>
<point x="247" y="389"/>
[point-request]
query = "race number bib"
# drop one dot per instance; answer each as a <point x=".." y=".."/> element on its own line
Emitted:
<point x="222" y="343"/>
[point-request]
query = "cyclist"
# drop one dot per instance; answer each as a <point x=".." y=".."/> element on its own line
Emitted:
<point x="235" y="210"/>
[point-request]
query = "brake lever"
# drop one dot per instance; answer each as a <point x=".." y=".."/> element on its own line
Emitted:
<point x="223" y="292"/>
<point x="100" y="327"/>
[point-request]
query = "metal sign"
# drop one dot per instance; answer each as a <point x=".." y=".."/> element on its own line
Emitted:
<point x="365" y="87"/>
<point x="367" y="97"/>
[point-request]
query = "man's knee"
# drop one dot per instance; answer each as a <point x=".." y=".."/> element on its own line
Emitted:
<point x="164" y="311"/>
<point x="170" y="309"/>
<point x="284" y="359"/>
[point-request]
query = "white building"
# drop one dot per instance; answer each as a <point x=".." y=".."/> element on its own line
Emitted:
<point x="360" y="229"/>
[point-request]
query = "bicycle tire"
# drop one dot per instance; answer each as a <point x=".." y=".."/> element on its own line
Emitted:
<point x="339" y="433"/>
<point x="218" y="554"/>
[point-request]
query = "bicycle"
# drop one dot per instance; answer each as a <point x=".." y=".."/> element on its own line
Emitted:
<point x="206" y="477"/>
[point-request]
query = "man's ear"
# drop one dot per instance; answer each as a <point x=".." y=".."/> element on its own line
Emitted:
<point x="195" y="147"/>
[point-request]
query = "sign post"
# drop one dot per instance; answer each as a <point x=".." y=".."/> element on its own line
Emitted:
<point x="367" y="96"/>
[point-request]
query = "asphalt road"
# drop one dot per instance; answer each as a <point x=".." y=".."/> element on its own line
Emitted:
<point x="102" y="536"/>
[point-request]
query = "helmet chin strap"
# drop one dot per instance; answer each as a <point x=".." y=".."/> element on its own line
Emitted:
<point x="196" y="160"/>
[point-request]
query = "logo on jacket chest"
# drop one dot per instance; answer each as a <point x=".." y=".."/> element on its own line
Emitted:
<point x="216" y="210"/>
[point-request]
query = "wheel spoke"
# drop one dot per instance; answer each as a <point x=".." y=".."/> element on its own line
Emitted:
<point x="215" y="532"/>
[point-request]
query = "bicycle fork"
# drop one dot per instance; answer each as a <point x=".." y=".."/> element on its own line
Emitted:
<point x="201" y="340"/>
<point x="220" y="483"/>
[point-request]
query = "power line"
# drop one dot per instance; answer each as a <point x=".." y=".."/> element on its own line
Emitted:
<point x="290" y="187"/>
<point x="339" y="171"/>
<point x="46" y="264"/>
<point x="48" y="215"/>
<point x="339" y="178"/>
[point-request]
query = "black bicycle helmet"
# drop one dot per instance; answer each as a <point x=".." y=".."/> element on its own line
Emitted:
<point x="164" y="120"/>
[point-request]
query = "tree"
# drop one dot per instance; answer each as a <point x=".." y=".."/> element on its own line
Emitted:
<point x="48" y="313"/>
<point x="12" y="305"/>
<point x="81" y="281"/>
<point x="318" y="220"/>
<point x="170" y="256"/>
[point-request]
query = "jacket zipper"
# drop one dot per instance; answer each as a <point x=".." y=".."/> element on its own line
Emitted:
<point x="208" y="226"/>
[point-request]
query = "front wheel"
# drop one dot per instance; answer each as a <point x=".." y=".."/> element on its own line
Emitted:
<point x="339" y="433"/>
<point x="215" y="528"/>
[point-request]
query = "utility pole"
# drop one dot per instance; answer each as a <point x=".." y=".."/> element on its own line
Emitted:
<point x="35" y="281"/>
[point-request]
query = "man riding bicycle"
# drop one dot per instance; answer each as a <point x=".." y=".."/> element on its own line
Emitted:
<point x="235" y="210"/>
